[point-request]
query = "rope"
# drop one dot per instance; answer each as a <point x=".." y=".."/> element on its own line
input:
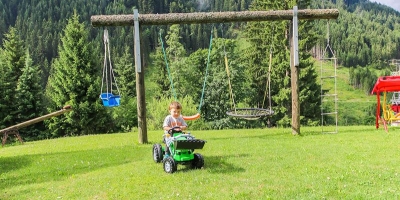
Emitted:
<point x="268" y="85"/>
<point x="269" y="73"/>
<point x="105" y="39"/>
<point x="111" y="69"/>
<point x="228" y="74"/>
<point x="205" y="77"/>
<point x="229" y="81"/>
<point x="328" y="47"/>
<point x="167" y="66"/>
<point x="108" y="74"/>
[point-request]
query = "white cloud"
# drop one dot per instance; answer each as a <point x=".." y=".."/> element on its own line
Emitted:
<point x="391" y="3"/>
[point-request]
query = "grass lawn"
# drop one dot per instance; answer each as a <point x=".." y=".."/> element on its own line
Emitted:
<point x="357" y="163"/>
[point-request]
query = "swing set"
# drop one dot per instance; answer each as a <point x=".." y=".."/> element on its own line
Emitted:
<point x="250" y="113"/>
<point x="245" y="113"/>
<point x="213" y="17"/>
<point x="108" y="98"/>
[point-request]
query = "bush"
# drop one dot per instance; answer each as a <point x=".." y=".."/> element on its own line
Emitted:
<point x="125" y="115"/>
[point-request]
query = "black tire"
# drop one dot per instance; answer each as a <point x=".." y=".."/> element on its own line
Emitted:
<point x="198" y="161"/>
<point x="170" y="165"/>
<point x="157" y="153"/>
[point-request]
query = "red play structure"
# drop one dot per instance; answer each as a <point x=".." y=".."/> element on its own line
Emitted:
<point x="390" y="113"/>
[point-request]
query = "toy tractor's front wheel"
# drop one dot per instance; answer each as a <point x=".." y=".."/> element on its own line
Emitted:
<point x="198" y="161"/>
<point x="170" y="166"/>
<point x="157" y="153"/>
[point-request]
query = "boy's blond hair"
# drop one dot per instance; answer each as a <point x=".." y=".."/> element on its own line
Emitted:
<point x="175" y="105"/>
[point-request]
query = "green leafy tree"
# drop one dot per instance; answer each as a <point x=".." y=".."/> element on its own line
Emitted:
<point x="75" y="80"/>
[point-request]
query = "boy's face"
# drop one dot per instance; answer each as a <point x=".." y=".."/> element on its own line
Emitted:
<point x="175" y="112"/>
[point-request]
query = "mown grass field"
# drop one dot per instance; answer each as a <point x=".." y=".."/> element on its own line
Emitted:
<point x="359" y="162"/>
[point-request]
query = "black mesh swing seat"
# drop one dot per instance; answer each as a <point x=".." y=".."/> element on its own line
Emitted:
<point x="250" y="113"/>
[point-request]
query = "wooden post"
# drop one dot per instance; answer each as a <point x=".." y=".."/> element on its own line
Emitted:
<point x="140" y="88"/>
<point x="294" y="68"/>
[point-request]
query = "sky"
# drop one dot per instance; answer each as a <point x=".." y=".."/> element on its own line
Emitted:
<point x="391" y="3"/>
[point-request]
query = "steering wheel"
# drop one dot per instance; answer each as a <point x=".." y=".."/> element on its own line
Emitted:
<point x="174" y="129"/>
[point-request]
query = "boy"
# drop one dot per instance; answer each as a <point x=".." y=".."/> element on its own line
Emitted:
<point x="174" y="119"/>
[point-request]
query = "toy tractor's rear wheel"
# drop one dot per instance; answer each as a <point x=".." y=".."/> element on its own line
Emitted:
<point x="170" y="166"/>
<point x="198" y="161"/>
<point x="157" y="153"/>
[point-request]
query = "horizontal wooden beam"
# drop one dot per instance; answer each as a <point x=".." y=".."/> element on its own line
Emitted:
<point x="212" y="17"/>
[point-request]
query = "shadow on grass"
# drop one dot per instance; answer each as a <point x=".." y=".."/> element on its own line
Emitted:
<point x="261" y="136"/>
<point x="39" y="168"/>
<point x="324" y="131"/>
<point x="12" y="163"/>
<point x="219" y="164"/>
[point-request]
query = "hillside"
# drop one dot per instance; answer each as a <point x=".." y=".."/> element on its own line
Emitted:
<point x="354" y="105"/>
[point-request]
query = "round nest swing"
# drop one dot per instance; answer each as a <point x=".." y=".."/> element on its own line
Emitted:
<point x="250" y="113"/>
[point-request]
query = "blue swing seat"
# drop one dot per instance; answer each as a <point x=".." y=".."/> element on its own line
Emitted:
<point x="110" y="100"/>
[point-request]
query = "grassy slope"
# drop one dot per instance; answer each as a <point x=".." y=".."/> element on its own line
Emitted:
<point x="353" y="104"/>
<point x="358" y="163"/>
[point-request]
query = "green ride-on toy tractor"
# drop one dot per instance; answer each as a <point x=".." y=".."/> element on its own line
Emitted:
<point x="181" y="146"/>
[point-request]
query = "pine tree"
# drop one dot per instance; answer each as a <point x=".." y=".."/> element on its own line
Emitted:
<point x="176" y="57"/>
<point x="125" y="73"/>
<point x="4" y="92"/>
<point x="125" y="116"/>
<point x="29" y="98"/>
<point x="75" y="80"/>
<point x="12" y="59"/>
<point x="159" y="74"/>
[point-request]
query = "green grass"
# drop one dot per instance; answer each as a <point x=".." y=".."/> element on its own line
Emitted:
<point x="358" y="163"/>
